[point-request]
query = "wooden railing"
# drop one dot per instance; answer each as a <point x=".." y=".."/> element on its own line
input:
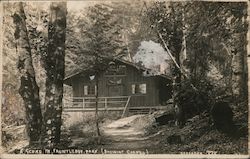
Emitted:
<point x="89" y="103"/>
<point x="116" y="103"/>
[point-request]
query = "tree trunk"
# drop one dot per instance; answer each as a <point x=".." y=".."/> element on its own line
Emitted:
<point x="237" y="74"/>
<point x="54" y="66"/>
<point x="96" y="108"/>
<point x="239" y="63"/>
<point x="248" y="58"/>
<point x="183" y="53"/>
<point x="28" y="89"/>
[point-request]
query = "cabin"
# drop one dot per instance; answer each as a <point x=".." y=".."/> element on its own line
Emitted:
<point x="124" y="86"/>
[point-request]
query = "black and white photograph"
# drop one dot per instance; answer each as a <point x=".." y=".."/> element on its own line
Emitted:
<point x="141" y="78"/>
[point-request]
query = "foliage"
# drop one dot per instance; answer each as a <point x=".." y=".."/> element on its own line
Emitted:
<point x="215" y="28"/>
<point x="12" y="108"/>
<point x="13" y="104"/>
<point x="199" y="136"/>
<point x="99" y="38"/>
<point x="192" y="101"/>
<point x="109" y="25"/>
<point x="215" y="43"/>
<point x="27" y="37"/>
<point x="166" y="18"/>
<point x="101" y="28"/>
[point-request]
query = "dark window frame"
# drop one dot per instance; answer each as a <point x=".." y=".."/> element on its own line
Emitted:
<point x="89" y="90"/>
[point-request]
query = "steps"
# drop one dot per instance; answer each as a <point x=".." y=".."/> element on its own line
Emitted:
<point x="145" y="110"/>
<point x="134" y="111"/>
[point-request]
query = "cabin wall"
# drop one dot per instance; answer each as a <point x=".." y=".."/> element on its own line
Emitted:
<point x="133" y="76"/>
<point x="151" y="97"/>
<point x="75" y="86"/>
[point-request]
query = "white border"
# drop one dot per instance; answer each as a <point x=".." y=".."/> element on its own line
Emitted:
<point x="123" y="156"/>
<point x="1" y="67"/>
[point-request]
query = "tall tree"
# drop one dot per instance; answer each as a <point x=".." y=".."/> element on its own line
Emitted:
<point x="103" y="43"/>
<point x="54" y="66"/>
<point x="28" y="88"/>
<point x="99" y="34"/>
<point x="238" y="43"/>
<point x="10" y="96"/>
<point x="126" y="20"/>
<point x="219" y="26"/>
<point x="166" y="20"/>
<point x="33" y="45"/>
<point x="37" y="26"/>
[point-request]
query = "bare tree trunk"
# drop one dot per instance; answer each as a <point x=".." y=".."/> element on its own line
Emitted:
<point x="96" y="107"/>
<point x="28" y="89"/>
<point x="237" y="74"/>
<point x="248" y="58"/>
<point x="239" y="62"/>
<point x="54" y="66"/>
<point x="183" y="54"/>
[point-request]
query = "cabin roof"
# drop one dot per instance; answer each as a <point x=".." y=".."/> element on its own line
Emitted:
<point x="139" y="67"/>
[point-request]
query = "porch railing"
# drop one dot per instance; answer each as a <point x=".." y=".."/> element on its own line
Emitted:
<point x="89" y="103"/>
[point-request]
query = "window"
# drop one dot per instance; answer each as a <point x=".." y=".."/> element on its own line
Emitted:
<point x="89" y="90"/>
<point x="139" y="88"/>
<point x="142" y="88"/>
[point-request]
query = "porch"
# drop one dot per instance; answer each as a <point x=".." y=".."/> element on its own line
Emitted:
<point x="115" y="103"/>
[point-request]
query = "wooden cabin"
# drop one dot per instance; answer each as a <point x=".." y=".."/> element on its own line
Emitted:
<point x="123" y="85"/>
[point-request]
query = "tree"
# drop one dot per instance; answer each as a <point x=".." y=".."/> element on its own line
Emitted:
<point x="28" y="88"/>
<point x="48" y="124"/>
<point x="11" y="100"/>
<point x="166" y="21"/>
<point x="216" y="27"/>
<point x="37" y="14"/>
<point x="212" y="32"/>
<point x="99" y="32"/>
<point x="238" y="42"/>
<point x="54" y="66"/>
<point x="102" y="42"/>
<point x="126" y="17"/>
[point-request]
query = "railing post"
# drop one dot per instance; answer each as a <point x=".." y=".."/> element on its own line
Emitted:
<point x="83" y="103"/>
<point x="126" y="107"/>
<point x="63" y="103"/>
<point x="106" y="103"/>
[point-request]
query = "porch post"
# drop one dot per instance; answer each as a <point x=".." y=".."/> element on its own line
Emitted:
<point x="105" y="103"/>
<point x="83" y="103"/>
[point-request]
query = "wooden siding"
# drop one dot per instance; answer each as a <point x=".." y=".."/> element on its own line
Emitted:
<point x="133" y="76"/>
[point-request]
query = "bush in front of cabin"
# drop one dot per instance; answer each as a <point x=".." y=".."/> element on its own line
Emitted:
<point x="193" y="100"/>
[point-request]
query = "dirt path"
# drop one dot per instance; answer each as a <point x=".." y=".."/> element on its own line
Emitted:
<point x="131" y="135"/>
<point x="122" y="135"/>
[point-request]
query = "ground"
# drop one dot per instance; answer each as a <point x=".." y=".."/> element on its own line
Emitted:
<point x="140" y="134"/>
